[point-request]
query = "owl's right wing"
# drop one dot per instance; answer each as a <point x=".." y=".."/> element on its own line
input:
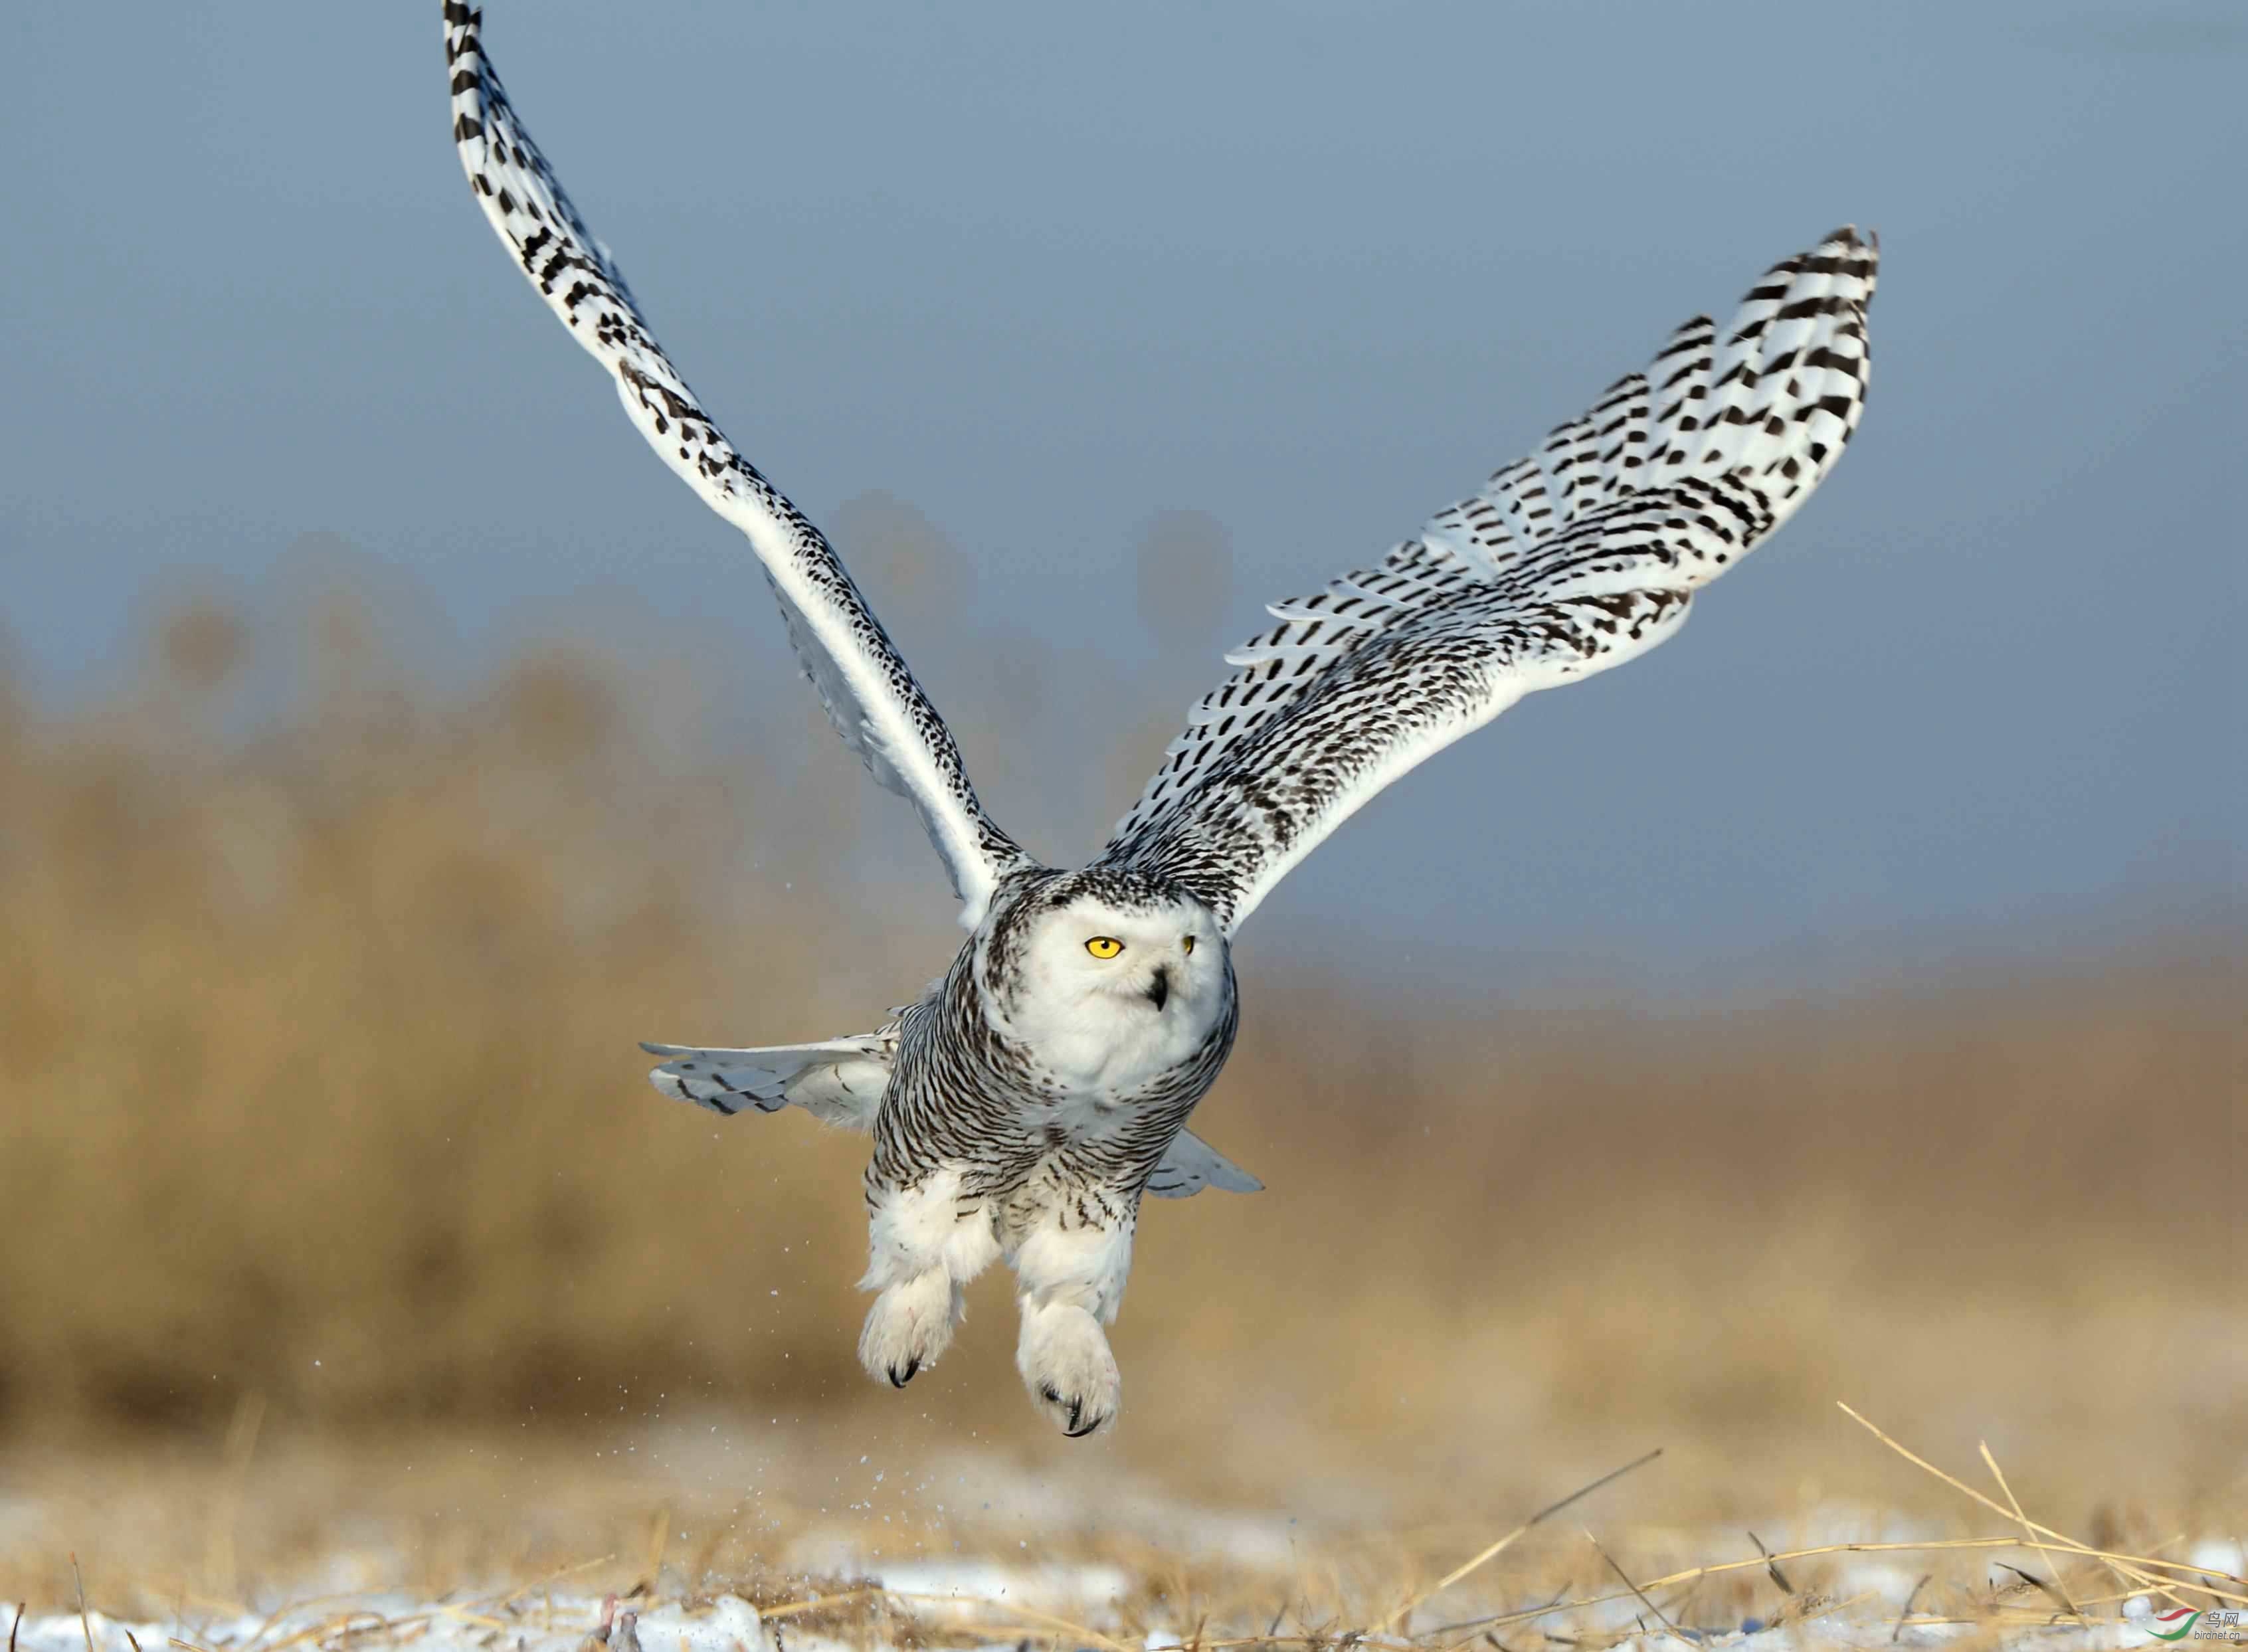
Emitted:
<point x="871" y="697"/>
<point x="1575" y="559"/>
<point x="838" y="1081"/>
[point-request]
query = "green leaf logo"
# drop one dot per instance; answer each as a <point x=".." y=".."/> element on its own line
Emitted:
<point x="2173" y="1625"/>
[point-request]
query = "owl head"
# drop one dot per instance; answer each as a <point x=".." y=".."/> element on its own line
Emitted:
<point x="1107" y="970"/>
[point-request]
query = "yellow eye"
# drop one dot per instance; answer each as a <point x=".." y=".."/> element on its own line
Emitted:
<point x="1104" y="946"/>
<point x="1189" y="944"/>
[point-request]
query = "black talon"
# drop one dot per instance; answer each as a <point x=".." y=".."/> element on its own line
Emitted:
<point x="912" y="1366"/>
<point x="1077" y="1427"/>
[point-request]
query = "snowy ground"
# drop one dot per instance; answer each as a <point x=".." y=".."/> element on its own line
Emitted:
<point x="1924" y="1589"/>
<point x="711" y="1535"/>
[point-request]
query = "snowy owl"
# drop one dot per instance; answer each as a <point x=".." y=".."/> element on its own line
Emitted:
<point x="1030" y="1099"/>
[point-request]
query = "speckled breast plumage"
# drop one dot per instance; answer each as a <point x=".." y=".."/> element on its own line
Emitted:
<point x="964" y="1094"/>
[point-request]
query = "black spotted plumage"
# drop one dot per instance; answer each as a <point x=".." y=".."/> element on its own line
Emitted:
<point x="1567" y="562"/>
<point x="1001" y="1125"/>
<point x="871" y="697"/>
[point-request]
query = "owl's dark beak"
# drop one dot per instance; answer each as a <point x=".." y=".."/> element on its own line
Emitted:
<point x="1159" y="990"/>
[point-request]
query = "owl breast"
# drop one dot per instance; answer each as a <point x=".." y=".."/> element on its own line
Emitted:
<point x="1107" y="1054"/>
<point x="1051" y="1059"/>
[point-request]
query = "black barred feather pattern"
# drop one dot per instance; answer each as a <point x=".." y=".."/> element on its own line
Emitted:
<point x="964" y="1096"/>
<point x="842" y="1081"/>
<point x="1567" y="563"/>
<point x="871" y="697"/>
<point x="838" y="1080"/>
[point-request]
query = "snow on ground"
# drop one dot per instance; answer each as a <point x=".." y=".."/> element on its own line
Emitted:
<point x="713" y="1554"/>
<point x="990" y="1602"/>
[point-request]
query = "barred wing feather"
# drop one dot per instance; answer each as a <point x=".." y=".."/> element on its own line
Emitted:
<point x="1570" y="561"/>
<point x="870" y="697"/>
<point x="838" y="1081"/>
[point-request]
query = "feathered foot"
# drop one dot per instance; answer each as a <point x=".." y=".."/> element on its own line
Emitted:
<point x="1068" y="1368"/>
<point x="908" y="1327"/>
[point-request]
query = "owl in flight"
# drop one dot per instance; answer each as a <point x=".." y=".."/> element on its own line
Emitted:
<point x="1025" y="1104"/>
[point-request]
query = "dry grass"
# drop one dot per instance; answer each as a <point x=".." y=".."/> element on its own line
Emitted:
<point x="522" y="1546"/>
<point x="321" y="1104"/>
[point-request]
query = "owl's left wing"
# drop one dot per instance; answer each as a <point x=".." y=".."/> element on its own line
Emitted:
<point x="870" y="697"/>
<point x="1568" y="562"/>
<point x="1190" y="1164"/>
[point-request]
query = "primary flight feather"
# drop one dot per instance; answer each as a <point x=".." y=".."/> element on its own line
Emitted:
<point x="1025" y="1103"/>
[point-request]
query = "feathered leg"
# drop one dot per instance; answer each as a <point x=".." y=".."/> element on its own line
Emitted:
<point x="1070" y="1273"/>
<point x="924" y="1243"/>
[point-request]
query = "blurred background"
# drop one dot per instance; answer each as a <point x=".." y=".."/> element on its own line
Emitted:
<point x="385" y="743"/>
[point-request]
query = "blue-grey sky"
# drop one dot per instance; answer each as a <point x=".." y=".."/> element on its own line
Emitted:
<point x="1044" y="272"/>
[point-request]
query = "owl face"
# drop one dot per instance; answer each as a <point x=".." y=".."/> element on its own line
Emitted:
<point x="1112" y="985"/>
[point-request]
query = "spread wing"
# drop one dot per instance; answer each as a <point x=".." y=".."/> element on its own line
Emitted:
<point x="838" y="1080"/>
<point x="1567" y="562"/>
<point x="871" y="697"/>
